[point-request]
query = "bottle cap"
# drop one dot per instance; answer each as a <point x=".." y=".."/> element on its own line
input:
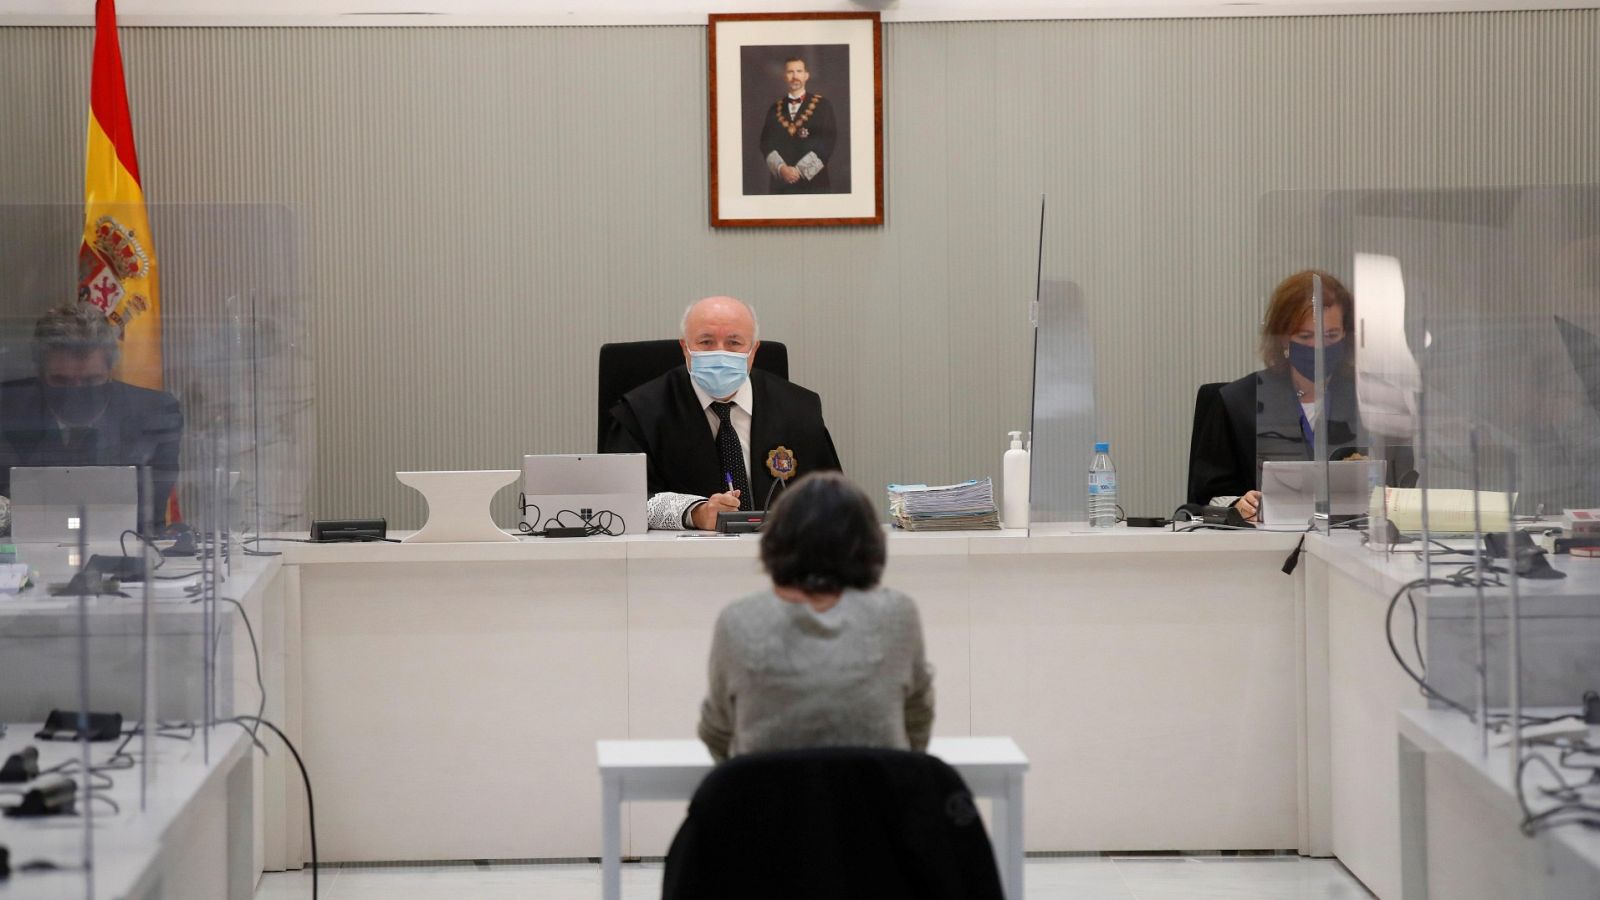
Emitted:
<point x="1102" y="446"/>
<point x="1016" y="439"/>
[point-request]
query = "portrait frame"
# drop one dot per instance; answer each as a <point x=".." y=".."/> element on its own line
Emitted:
<point x="741" y="44"/>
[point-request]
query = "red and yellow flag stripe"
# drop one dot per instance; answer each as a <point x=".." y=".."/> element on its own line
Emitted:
<point x="117" y="262"/>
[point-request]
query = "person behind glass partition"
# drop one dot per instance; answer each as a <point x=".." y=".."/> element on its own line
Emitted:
<point x="1270" y="414"/>
<point x="825" y="657"/>
<point x="74" y="413"/>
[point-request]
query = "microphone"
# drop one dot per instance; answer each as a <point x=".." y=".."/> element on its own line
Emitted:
<point x="776" y="483"/>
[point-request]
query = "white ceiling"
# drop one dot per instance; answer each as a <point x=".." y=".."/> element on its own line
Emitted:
<point x="687" y="12"/>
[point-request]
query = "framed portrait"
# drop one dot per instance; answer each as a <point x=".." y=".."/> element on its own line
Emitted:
<point x="796" y="119"/>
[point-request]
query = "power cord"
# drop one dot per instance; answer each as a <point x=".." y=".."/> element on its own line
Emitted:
<point x="1462" y="578"/>
<point x="594" y="522"/>
<point x="522" y="507"/>
<point x="1568" y="811"/>
<point x="591" y="523"/>
<point x="255" y="650"/>
<point x="311" y="806"/>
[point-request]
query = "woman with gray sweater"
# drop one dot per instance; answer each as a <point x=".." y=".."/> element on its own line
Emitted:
<point x="826" y="657"/>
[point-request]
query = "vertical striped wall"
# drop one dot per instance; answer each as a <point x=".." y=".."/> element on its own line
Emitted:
<point x="479" y="209"/>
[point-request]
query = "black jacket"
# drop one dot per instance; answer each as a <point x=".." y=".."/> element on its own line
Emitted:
<point x="835" y="823"/>
<point x="663" y="418"/>
<point x="139" y="427"/>
<point x="1258" y="419"/>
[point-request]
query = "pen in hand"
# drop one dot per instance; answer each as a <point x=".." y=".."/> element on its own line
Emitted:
<point x="728" y="476"/>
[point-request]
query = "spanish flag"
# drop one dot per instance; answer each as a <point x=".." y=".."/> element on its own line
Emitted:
<point x="117" y="262"/>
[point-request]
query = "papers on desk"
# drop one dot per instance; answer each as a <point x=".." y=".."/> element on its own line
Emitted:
<point x="1450" y="511"/>
<point x="944" y="507"/>
<point x="12" y="577"/>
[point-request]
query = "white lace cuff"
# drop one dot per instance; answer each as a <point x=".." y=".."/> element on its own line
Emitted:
<point x="774" y="163"/>
<point x="809" y="165"/>
<point x="670" y="512"/>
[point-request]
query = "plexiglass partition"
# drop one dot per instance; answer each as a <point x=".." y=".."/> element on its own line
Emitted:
<point x="1478" y="355"/>
<point x="1063" y="407"/>
<point x="145" y="448"/>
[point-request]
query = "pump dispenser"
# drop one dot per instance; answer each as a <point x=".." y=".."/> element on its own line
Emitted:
<point x="1014" y="484"/>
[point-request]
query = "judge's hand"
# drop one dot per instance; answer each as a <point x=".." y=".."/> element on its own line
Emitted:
<point x="704" y="516"/>
<point x="1249" y="506"/>
<point x="789" y="174"/>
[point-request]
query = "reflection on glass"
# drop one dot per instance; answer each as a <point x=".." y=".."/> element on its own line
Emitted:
<point x="73" y="412"/>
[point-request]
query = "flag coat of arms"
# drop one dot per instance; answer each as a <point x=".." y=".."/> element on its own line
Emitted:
<point x="117" y="271"/>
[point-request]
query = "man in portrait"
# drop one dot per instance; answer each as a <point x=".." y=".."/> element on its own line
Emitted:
<point x="798" y="134"/>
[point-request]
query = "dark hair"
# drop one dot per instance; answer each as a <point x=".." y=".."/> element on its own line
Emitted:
<point x="823" y="536"/>
<point x="799" y="59"/>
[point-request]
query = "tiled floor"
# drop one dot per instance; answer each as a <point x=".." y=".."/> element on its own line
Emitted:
<point x="1077" y="878"/>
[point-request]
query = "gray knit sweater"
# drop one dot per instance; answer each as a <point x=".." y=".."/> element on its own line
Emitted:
<point x="784" y="676"/>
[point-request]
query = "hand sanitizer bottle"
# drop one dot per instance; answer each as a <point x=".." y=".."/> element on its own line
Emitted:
<point x="1014" y="485"/>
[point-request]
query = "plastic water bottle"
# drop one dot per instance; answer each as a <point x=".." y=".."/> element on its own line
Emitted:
<point x="1102" y="488"/>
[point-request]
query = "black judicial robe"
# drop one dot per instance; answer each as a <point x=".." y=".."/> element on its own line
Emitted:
<point x="663" y="418"/>
<point x="1258" y="420"/>
<point x="140" y="427"/>
<point x="814" y="132"/>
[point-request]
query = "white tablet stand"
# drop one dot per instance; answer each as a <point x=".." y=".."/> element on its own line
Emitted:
<point x="458" y="504"/>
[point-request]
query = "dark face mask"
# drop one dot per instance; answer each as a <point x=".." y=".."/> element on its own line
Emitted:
<point x="1304" y="358"/>
<point x="77" y="405"/>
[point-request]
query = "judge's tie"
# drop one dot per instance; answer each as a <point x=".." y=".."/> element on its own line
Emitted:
<point x="730" y="453"/>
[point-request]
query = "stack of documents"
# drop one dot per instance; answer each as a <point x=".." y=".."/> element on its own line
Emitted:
<point x="1450" y="510"/>
<point x="943" y="507"/>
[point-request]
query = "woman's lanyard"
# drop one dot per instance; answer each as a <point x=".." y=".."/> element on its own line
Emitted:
<point x="1307" y="433"/>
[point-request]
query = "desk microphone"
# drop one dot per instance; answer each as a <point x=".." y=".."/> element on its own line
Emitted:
<point x="21" y="767"/>
<point x="776" y="483"/>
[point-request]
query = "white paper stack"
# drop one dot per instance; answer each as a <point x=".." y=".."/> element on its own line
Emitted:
<point x="943" y="507"/>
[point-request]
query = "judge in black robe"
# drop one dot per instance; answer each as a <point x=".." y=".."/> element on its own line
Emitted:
<point x="663" y="418"/>
<point x="1257" y="419"/>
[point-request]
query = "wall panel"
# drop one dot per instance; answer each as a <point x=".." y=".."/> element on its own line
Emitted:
<point x="479" y="208"/>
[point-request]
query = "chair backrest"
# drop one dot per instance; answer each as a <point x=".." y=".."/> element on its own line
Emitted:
<point x="625" y="366"/>
<point x="837" y="823"/>
<point x="1207" y="406"/>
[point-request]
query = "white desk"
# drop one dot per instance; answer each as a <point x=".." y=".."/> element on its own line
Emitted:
<point x="190" y="806"/>
<point x="1154" y="678"/>
<point x="192" y="839"/>
<point x="1459" y="818"/>
<point x="632" y="771"/>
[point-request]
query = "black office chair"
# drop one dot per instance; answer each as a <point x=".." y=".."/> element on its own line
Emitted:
<point x="1207" y="407"/>
<point x="836" y="823"/>
<point x="625" y="366"/>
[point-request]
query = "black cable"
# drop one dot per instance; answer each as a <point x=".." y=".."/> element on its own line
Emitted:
<point x="255" y="650"/>
<point x="1573" y="811"/>
<point x="522" y="507"/>
<point x="596" y="523"/>
<point x="311" y="807"/>
<point x="122" y="541"/>
<point x="1388" y="627"/>
<point x="114" y="807"/>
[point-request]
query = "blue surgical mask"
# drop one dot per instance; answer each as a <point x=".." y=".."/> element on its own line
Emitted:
<point x="719" y="373"/>
<point x="1304" y="358"/>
